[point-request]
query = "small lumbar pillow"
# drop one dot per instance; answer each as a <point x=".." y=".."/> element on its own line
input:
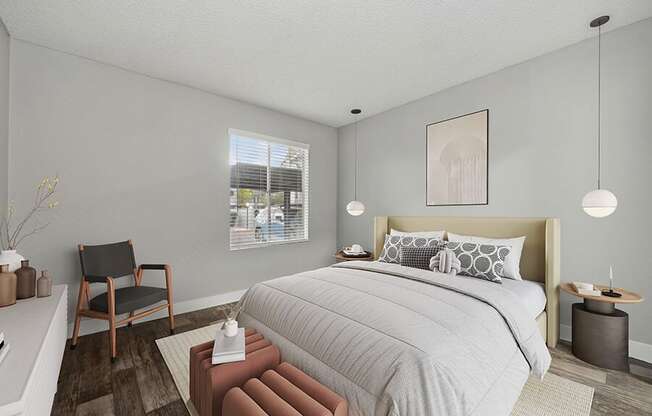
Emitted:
<point x="393" y="243"/>
<point x="445" y="262"/>
<point x="484" y="261"/>
<point x="418" y="257"/>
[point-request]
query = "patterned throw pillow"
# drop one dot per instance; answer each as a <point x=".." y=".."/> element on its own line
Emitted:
<point x="484" y="261"/>
<point x="392" y="248"/>
<point x="418" y="257"/>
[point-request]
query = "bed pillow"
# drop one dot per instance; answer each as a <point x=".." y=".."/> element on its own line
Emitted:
<point x="427" y="234"/>
<point x="393" y="243"/>
<point x="513" y="261"/>
<point x="445" y="262"/>
<point x="418" y="257"/>
<point x="484" y="261"/>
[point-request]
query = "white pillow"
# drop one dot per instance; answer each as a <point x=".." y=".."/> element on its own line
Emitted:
<point x="425" y="234"/>
<point x="512" y="261"/>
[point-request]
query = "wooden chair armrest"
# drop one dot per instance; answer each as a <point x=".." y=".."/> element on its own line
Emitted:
<point x="153" y="266"/>
<point x="166" y="267"/>
<point x="110" y="295"/>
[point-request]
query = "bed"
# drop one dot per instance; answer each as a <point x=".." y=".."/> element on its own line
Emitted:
<point x="539" y="261"/>
<point x="400" y="341"/>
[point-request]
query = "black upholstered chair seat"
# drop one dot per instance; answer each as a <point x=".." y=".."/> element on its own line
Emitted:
<point x="128" y="299"/>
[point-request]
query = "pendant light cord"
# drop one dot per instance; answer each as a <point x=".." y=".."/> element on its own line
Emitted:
<point x="599" y="103"/>
<point x="355" y="177"/>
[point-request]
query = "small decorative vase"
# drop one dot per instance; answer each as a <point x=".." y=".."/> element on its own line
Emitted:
<point x="7" y="286"/>
<point x="231" y="328"/>
<point x="26" y="286"/>
<point x="11" y="258"/>
<point x="44" y="285"/>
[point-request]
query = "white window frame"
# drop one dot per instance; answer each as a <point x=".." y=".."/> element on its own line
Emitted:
<point x="305" y="183"/>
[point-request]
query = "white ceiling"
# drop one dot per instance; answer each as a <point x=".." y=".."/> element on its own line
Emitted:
<point x="314" y="59"/>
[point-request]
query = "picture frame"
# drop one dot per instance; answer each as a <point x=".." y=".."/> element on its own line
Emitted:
<point x="457" y="160"/>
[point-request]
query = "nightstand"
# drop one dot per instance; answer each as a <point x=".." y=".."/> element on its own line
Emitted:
<point x="340" y="257"/>
<point x="600" y="331"/>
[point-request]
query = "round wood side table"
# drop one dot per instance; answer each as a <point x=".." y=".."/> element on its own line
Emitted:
<point x="600" y="331"/>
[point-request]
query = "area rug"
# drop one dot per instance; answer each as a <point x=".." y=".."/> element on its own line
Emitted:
<point x="554" y="396"/>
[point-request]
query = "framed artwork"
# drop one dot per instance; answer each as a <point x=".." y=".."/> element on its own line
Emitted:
<point x="457" y="160"/>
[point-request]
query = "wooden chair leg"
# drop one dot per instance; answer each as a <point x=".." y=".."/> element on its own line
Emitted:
<point x="171" y="313"/>
<point x="112" y="331"/>
<point x="168" y="285"/>
<point x="75" y="332"/>
<point x="138" y="276"/>
<point x="112" y="336"/>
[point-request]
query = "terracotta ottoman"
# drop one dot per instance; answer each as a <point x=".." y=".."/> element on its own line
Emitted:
<point x="209" y="383"/>
<point x="286" y="391"/>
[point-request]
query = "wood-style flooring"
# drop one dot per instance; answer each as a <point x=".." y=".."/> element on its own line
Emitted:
<point x="139" y="383"/>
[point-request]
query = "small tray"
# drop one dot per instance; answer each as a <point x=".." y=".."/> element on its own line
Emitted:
<point x="353" y="256"/>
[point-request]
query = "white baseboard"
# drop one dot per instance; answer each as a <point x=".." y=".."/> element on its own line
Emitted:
<point x="565" y="332"/>
<point x="638" y="350"/>
<point x="91" y="326"/>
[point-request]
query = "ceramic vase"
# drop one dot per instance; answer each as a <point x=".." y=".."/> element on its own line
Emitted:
<point x="26" y="286"/>
<point x="231" y="328"/>
<point x="7" y="286"/>
<point x="44" y="285"/>
<point x="11" y="258"/>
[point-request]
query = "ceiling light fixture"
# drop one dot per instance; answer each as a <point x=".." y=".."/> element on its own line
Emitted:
<point x="600" y="202"/>
<point x="355" y="207"/>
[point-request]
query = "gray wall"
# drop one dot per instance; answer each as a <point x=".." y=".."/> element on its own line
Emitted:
<point x="542" y="144"/>
<point x="4" y="117"/>
<point x="145" y="159"/>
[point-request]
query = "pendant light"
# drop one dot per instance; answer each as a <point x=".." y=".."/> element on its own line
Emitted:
<point x="355" y="207"/>
<point x="600" y="202"/>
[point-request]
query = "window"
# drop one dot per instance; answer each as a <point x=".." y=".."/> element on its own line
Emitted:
<point x="269" y="190"/>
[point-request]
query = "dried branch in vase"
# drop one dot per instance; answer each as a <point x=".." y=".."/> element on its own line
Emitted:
<point x="230" y="310"/>
<point x="11" y="235"/>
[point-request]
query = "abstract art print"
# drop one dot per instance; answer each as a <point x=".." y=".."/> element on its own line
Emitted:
<point x="457" y="160"/>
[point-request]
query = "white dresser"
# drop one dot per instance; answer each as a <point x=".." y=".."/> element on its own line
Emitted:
<point x="36" y="331"/>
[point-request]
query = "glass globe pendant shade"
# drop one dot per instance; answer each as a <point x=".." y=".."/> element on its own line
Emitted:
<point x="599" y="203"/>
<point x="355" y="208"/>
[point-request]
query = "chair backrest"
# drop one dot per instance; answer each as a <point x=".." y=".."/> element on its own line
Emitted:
<point x="107" y="260"/>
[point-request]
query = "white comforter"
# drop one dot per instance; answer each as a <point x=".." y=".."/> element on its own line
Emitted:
<point x="400" y="341"/>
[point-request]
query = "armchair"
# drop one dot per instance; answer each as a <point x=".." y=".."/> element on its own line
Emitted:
<point x="106" y="263"/>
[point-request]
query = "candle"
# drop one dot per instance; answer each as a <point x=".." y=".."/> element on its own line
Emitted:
<point x="611" y="278"/>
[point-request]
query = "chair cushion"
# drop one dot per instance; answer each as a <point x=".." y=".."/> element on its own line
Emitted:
<point x="128" y="299"/>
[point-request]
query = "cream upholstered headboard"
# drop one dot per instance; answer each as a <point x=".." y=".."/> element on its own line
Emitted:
<point x="540" y="259"/>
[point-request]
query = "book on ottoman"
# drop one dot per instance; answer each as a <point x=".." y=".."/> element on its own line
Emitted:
<point x="228" y="349"/>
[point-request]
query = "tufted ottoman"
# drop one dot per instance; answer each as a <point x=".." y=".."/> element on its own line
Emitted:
<point x="286" y="391"/>
<point x="209" y="383"/>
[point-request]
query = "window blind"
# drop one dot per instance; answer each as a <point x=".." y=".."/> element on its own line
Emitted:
<point x="269" y="190"/>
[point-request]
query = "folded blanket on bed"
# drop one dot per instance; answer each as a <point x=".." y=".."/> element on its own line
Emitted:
<point x="401" y="341"/>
